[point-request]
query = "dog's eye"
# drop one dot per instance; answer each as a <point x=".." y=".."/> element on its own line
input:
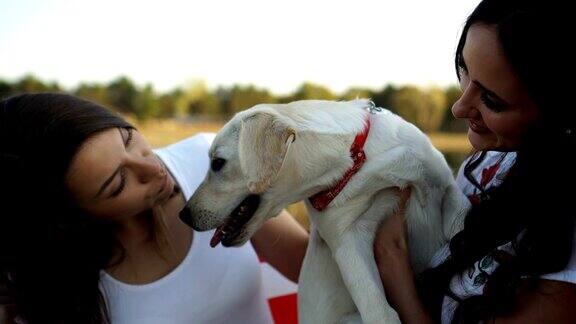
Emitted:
<point x="217" y="164"/>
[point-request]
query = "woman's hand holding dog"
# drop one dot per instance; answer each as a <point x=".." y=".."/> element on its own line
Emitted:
<point x="391" y="249"/>
<point x="392" y="258"/>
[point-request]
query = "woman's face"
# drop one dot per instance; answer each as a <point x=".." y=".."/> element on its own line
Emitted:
<point x="498" y="109"/>
<point x="115" y="175"/>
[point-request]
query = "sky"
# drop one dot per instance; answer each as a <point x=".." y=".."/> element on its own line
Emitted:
<point x="271" y="44"/>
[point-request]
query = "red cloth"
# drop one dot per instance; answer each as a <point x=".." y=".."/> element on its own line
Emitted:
<point x="281" y="294"/>
<point x="284" y="309"/>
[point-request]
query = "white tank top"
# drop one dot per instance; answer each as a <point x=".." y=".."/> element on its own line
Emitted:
<point x="220" y="285"/>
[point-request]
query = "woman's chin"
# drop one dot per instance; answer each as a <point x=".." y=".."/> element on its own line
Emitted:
<point x="482" y="142"/>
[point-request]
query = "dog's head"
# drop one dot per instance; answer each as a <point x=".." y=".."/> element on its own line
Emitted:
<point x="246" y="158"/>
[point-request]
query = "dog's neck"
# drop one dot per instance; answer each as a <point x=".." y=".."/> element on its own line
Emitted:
<point x="320" y="156"/>
<point x="324" y="163"/>
<point x="322" y="199"/>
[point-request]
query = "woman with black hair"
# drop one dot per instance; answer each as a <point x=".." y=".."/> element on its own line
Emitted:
<point x="514" y="261"/>
<point x="89" y="228"/>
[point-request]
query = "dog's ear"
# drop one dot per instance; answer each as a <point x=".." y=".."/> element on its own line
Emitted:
<point x="263" y="145"/>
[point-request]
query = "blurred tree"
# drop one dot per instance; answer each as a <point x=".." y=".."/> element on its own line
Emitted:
<point x="54" y="86"/>
<point x="193" y="99"/>
<point x="5" y="88"/>
<point x="451" y="124"/>
<point x="408" y="101"/>
<point x="284" y="98"/>
<point x="244" y="97"/>
<point x="312" y="91"/>
<point x="122" y="94"/>
<point x="432" y="114"/>
<point x="224" y="96"/>
<point x="208" y="104"/>
<point x="383" y="98"/>
<point x="357" y="93"/>
<point x="94" y="92"/>
<point x="30" y="83"/>
<point x="452" y="94"/>
<point x="146" y="104"/>
<point x="423" y="108"/>
<point x="429" y="109"/>
<point x="167" y="104"/>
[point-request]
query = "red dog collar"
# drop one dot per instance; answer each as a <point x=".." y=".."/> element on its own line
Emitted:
<point x="322" y="199"/>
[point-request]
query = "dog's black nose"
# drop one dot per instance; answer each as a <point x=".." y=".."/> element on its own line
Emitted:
<point x="186" y="215"/>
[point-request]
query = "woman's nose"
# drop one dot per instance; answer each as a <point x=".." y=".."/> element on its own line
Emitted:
<point x="148" y="168"/>
<point x="465" y="106"/>
<point x="459" y="109"/>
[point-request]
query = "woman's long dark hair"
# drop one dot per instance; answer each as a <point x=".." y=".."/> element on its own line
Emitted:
<point x="51" y="253"/>
<point x="537" y="195"/>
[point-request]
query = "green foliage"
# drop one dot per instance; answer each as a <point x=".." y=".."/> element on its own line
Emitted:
<point x="425" y="108"/>
<point x="167" y="104"/>
<point x="94" y="92"/>
<point x="5" y="88"/>
<point x="30" y="83"/>
<point x="312" y="91"/>
<point x="433" y="112"/>
<point x="196" y="99"/>
<point x="146" y="104"/>
<point x="408" y="101"/>
<point x="244" y="97"/>
<point x="453" y="93"/>
<point x="208" y="104"/>
<point x="451" y="124"/>
<point x="355" y="93"/>
<point x="428" y="108"/>
<point x="383" y="98"/>
<point x="122" y="94"/>
<point x="224" y="96"/>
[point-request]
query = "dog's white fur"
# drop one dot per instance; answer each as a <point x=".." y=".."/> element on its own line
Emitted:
<point x="288" y="152"/>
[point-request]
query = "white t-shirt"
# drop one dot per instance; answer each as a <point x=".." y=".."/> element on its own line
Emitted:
<point x="491" y="172"/>
<point x="211" y="285"/>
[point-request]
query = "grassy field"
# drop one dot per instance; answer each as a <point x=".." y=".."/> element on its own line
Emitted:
<point x="163" y="132"/>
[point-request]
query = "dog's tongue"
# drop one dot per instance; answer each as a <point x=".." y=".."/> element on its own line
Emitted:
<point x="217" y="237"/>
<point x="237" y="218"/>
<point x="220" y="233"/>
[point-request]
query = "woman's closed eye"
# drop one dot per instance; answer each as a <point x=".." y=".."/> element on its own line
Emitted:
<point x="492" y="104"/>
<point x="122" y="184"/>
<point x="127" y="134"/>
<point x="128" y="137"/>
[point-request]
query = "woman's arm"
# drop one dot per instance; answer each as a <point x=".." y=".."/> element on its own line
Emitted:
<point x="392" y="258"/>
<point x="546" y="301"/>
<point x="282" y="243"/>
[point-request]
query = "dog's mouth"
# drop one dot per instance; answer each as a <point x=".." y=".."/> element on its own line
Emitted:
<point x="230" y="229"/>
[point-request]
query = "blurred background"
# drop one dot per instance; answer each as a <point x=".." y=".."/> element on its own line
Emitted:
<point x="176" y="68"/>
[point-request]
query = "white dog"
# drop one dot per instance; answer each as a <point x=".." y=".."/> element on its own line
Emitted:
<point x="345" y="159"/>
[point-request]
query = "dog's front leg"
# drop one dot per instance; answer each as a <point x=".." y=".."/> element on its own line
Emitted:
<point x="355" y="258"/>
<point x="322" y="296"/>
